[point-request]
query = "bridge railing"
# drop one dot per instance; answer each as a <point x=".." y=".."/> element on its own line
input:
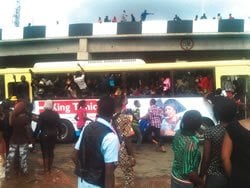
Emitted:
<point x="110" y="29"/>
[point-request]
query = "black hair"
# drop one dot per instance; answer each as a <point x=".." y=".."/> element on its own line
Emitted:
<point x="136" y="102"/>
<point x="78" y="74"/>
<point x="106" y="106"/>
<point x="118" y="100"/>
<point x="218" y="91"/>
<point x="225" y="109"/>
<point x="191" y="121"/>
<point x="152" y="101"/>
<point x="81" y="103"/>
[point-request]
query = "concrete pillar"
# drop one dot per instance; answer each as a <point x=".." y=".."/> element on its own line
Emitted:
<point x="83" y="56"/>
<point x="83" y="53"/>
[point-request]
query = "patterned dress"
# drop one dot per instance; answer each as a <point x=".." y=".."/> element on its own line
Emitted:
<point x="215" y="135"/>
<point x="123" y="126"/>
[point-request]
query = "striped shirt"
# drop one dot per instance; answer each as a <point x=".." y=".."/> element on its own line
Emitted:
<point x="186" y="155"/>
<point x="155" y="116"/>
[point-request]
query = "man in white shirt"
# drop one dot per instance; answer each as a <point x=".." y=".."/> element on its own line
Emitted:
<point x="108" y="149"/>
<point x="79" y="79"/>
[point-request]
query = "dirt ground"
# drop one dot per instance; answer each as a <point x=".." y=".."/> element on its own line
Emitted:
<point x="152" y="170"/>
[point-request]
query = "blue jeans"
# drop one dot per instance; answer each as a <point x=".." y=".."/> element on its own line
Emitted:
<point x="177" y="184"/>
<point x="216" y="181"/>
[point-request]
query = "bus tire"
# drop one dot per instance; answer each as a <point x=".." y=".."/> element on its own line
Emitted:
<point x="67" y="132"/>
<point x="206" y="123"/>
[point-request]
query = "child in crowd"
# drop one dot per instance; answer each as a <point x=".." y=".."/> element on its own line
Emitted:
<point x="135" y="123"/>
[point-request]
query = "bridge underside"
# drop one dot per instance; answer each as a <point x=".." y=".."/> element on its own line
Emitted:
<point x="158" y="48"/>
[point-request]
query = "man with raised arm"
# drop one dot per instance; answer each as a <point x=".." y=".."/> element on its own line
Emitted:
<point x="144" y="15"/>
<point x="79" y="79"/>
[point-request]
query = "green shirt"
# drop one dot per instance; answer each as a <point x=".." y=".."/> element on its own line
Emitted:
<point x="186" y="155"/>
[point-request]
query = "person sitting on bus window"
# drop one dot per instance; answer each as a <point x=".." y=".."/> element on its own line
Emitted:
<point x="179" y="86"/>
<point x="79" y="79"/>
<point x="111" y="83"/>
<point x="165" y="85"/>
<point x="44" y="88"/>
<point x="70" y="89"/>
<point x="34" y="84"/>
<point x="205" y="84"/>
<point x="22" y="88"/>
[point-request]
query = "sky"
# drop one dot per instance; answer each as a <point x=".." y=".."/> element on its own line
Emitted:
<point x="48" y="12"/>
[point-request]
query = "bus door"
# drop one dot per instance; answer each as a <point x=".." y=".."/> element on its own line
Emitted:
<point x="2" y="88"/>
<point x="18" y="85"/>
<point x="237" y="87"/>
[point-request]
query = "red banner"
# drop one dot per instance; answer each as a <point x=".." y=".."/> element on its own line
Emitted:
<point x="70" y="106"/>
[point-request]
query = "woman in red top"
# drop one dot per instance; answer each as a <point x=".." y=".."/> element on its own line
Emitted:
<point x="81" y="114"/>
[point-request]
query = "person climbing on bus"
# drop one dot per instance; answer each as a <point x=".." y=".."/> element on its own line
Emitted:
<point x="79" y="79"/>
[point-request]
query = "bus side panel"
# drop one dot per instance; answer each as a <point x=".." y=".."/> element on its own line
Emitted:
<point x="67" y="108"/>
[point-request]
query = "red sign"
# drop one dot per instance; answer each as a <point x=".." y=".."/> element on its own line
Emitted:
<point x="70" y="106"/>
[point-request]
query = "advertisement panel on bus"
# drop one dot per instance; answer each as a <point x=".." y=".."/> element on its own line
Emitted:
<point x="67" y="111"/>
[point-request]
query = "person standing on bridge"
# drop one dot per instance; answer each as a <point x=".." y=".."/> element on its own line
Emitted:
<point x="144" y="15"/>
<point x="124" y="16"/>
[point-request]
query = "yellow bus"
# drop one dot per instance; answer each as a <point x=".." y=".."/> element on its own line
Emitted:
<point x="185" y="82"/>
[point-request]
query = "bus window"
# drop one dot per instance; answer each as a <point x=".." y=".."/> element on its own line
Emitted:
<point x="236" y="87"/>
<point x="12" y="89"/>
<point x="134" y="83"/>
<point x="2" y="88"/>
<point x="193" y="82"/>
<point x="18" y="89"/>
<point x="148" y="83"/>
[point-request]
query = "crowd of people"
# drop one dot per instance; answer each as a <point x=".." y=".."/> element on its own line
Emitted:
<point x="17" y="136"/>
<point x="83" y="85"/>
<point x="223" y="161"/>
<point x="143" y="17"/>
<point x="204" y="17"/>
<point x="125" y="17"/>
<point x="108" y="141"/>
<point x="218" y="17"/>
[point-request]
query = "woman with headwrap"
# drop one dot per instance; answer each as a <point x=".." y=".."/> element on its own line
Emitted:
<point x="47" y="127"/>
<point x="21" y="137"/>
<point x="171" y="120"/>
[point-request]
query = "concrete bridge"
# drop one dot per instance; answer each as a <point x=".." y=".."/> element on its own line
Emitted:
<point x="151" y="41"/>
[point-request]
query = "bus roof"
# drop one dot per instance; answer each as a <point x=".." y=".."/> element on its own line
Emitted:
<point x="91" y="63"/>
<point x="130" y="65"/>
